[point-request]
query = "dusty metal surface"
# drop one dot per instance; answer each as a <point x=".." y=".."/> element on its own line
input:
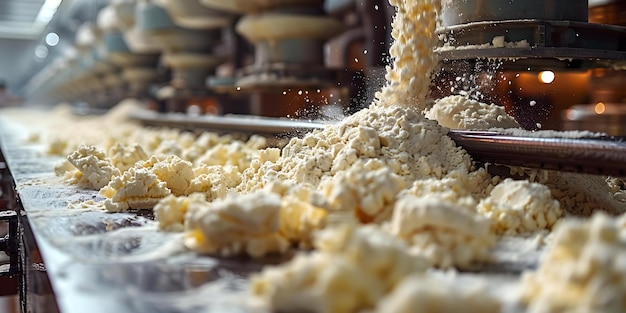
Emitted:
<point x="565" y="44"/>
<point x="602" y="156"/>
<point x="104" y="262"/>
<point x="246" y="125"/>
<point x="118" y="262"/>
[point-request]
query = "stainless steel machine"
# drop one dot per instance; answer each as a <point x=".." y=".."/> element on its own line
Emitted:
<point x="246" y="58"/>
<point x="496" y="50"/>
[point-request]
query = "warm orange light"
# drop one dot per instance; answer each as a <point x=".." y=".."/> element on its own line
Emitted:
<point x="546" y="77"/>
<point x="600" y="108"/>
<point x="599" y="72"/>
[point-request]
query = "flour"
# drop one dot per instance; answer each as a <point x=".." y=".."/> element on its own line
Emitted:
<point x="350" y="271"/>
<point x="426" y="293"/>
<point x="237" y="224"/>
<point x="442" y="232"/>
<point x="519" y="207"/>
<point x="458" y="112"/>
<point x="584" y="269"/>
<point x="379" y="196"/>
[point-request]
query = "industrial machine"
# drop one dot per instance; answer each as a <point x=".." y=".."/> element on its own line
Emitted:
<point x="537" y="58"/>
<point x="508" y="52"/>
<point x="217" y="57"/>
<point x="222" y="59"/>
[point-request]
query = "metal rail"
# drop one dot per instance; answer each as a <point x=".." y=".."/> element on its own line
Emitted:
<point x="585" y="155"/>
<point x="605" y="155"/>
<point x="573" y="45"/>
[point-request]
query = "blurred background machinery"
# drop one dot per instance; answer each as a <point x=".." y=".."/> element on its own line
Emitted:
<point x="298" y="58"/>
<point x="554" y="64"/>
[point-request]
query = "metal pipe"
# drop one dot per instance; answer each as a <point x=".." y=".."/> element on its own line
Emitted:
<point x="455" y="12"/>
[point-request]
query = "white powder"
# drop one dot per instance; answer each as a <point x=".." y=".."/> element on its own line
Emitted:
<point x="458" y="112"/>
<point x="583" y="271"/>
<point x="519" y="207"/>
<point x="170" y="211"/>
<point x="413" y="30"/>
<point x="124" y="157"/>
<point x="350" y="271"/>
<point x="571" y="134"/>
<point x="427" y="293"/>
<point x="583" y="194"/>
<point x="95" y="169"/>
<point x="387" y="165"/>
<point x="238" y="224"/>
<point x="367" y="189"/>
<point x="442" y="232"/>
<point x="399" y="137"/>
<point x="496" y="42"/>
<point x="579" y="194"/>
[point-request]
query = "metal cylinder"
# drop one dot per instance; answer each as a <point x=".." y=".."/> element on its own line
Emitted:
<point x="455" y="12"/>
<point x="290" y="51"/>
<point x="149" y="17"/>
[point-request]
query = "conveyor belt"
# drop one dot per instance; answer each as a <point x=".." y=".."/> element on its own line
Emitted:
<point x="119" y="262"/>
<point x="113" y="262"/>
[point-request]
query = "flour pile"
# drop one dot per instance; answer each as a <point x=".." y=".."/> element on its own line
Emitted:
<point x="381" y="197"/>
